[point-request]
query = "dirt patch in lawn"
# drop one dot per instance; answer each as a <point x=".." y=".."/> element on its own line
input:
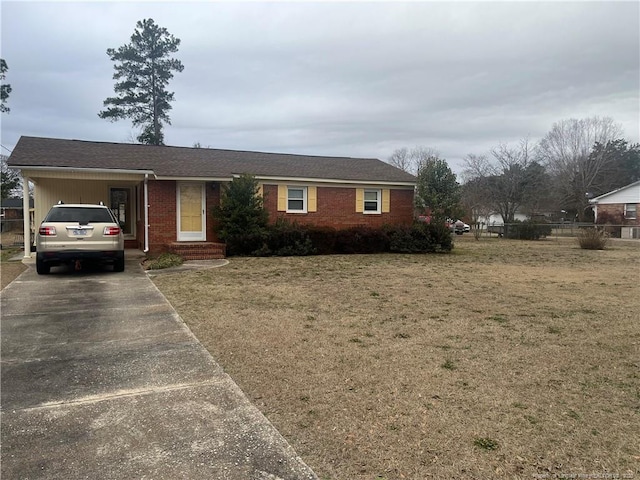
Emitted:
<point x="503" y="359"/>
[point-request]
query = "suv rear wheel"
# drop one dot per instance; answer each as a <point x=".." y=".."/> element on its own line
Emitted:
<point x="118" y="265"/>
<point x="41" y="267"/>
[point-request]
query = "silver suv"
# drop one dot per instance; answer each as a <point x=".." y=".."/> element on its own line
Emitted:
<point x="79" y="232"/>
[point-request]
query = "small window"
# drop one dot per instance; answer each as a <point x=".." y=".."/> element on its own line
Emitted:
<point x="630" y="211"/>
<point x="296" y="200"/>
<point x="372" y="201"/>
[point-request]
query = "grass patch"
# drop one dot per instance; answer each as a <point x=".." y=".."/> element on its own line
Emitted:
<point x="486" y="443"/>
<point x="9" y="270"/>
<point x="449" y="365"/>
<point x="386" y="405"/>
<point x="498" y="318"/>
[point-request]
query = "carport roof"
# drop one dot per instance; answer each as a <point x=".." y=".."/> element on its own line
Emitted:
<point x="184" y="162"/>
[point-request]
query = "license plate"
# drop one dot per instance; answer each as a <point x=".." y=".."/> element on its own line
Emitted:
<point x="79" y="233"/>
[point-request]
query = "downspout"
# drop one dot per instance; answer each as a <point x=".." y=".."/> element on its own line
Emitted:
<point x="146" y="214"/>
<point x="26" y="216"/>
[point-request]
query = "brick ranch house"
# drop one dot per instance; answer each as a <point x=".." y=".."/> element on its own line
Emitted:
<point x="622" y="207"/>
<point x="164" y="195"/>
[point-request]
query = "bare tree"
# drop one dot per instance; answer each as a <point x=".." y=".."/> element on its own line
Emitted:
<point x="411" y="160"/>
<point x="400" y="158"/>
<point x="566" y="152"/>
<point x="476" y="191"/>
<point x="504" y="183"/>
<point x="9" y="180"/>
<point x="476" y="201"/>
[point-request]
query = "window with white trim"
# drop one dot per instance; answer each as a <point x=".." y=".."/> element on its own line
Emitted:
<point x="372" y="201"/>
<point x="630" y="211"/>
<point x="296" y="199"/>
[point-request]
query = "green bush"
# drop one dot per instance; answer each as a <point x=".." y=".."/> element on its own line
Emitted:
<point x="242" y="218"/>
<point x="527" y="230"/>
<point x="420" y="238"/>
<point x="285" y="239"/>
<point x="323" y="239"/>
<point x="593" y="238"/>
<point x="361" y="240"/>
<point x="290" y="239"/>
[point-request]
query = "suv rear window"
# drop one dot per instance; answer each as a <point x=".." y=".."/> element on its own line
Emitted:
<point x="80" y="215"/>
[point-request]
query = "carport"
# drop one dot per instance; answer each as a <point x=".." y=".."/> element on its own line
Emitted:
<point x="124" y="191"/>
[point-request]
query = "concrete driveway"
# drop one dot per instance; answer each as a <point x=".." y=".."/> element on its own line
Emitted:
<point x="102" y="379"/>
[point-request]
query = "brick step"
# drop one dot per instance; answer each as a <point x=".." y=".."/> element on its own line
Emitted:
<point x="198" y="250"/>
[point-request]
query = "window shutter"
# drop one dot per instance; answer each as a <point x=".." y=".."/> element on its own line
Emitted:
<point x="386" y="200"/>
<point x="359" y="200"/>
<point x="282" y="198"/>
<point x="312" y="199"/>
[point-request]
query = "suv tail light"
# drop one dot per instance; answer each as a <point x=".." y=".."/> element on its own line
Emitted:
<point x="47" y="231"/>
<point x="111" y="230"/>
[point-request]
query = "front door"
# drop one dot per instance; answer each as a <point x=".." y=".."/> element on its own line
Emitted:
<point x="191" y="212"/>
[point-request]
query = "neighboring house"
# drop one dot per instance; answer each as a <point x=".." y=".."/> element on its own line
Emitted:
<point x="496" y="218"/>
<point x="164" y="195"/>
<point x="12" y="208"/>
<point x="12" y="213"/>
<point x="620" y="207"/>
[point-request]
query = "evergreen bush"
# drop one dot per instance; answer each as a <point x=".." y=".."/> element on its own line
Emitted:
<point x="527" y="230"/>
<point x="242" y="218"/>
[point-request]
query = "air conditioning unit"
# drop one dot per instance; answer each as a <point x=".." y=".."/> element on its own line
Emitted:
<point x="631" y="232"/>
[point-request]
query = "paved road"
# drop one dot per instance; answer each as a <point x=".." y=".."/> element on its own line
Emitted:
<point x="102" y="379"/>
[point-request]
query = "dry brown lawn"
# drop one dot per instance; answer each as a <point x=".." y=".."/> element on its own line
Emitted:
<point x="505" y="359"/>
<point x="9" y="270"/>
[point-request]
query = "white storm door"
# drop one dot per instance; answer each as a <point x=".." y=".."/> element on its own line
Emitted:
<point x="191" y="212"/>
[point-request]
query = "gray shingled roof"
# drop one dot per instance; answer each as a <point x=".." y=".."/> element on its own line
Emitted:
<point x="167" y="161"/>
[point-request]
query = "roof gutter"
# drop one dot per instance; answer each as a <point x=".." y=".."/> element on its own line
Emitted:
<point x="290" y="179"/>
<point x="82" y="169"/>
<point x="146" y="213"/>
<point x="335" y="181"/>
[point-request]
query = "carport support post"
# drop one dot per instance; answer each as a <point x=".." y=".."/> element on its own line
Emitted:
<point x="26" y="217"/>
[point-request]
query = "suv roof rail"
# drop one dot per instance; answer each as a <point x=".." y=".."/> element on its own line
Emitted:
<point x="60" y="202"/>
<point x="101" y="203"/>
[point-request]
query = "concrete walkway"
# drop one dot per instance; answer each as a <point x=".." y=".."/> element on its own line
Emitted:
<point x="102" y="379"/>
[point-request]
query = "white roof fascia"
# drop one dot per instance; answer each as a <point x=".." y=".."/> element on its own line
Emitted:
<point x="334" y="181"/>
<point x="82" y="169"/>
<point x="193" y="179"/>
<point x="263" y="178"/>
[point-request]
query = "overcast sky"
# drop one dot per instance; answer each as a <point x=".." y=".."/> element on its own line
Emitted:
<point x="342" y="78"/>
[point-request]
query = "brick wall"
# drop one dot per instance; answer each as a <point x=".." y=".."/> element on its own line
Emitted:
<point x="615" y="214"/>
<point x="337" y="208"/>
<point x="163" y="204"/>
<point x="162" y="215"/>
<point x="213" y="200"/>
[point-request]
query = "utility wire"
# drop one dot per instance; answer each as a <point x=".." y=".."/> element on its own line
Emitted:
<point x="8" y="150"/>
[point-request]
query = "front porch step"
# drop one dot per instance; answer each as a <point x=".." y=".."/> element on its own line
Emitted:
<point x="198" y="250"/>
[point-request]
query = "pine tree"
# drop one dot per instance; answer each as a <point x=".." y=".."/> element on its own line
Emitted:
<point x="437" y="190"/>
<point x="5" y="89"/>
<point x="143" y="69"/>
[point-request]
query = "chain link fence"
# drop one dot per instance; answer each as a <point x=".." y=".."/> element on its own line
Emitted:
<point x="11" y="233"/>
<point x="532" y="230"/>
